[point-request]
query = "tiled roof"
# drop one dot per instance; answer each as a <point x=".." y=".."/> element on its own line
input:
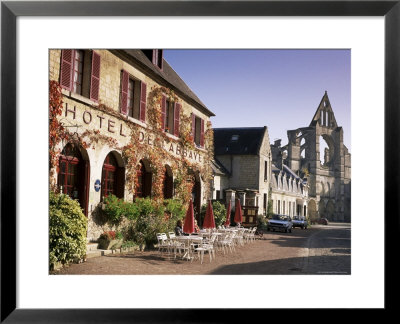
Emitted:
<point x="218" y="168"/>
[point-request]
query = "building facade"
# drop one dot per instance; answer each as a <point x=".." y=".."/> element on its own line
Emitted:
<point x="245" y="157"/>
<point x="128" y="126"/>
<point x="289" y="193"/>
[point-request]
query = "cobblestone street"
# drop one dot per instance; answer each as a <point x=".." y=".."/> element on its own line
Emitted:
<point x="318" y="250"/>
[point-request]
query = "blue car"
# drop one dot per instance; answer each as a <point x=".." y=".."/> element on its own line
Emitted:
<point x="300" y="221"/>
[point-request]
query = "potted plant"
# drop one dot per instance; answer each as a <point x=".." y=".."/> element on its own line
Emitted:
<point x="110" y="240"/>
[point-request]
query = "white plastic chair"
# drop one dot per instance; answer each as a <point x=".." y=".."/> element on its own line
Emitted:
<point x="174" y="244"/>
<point x="206" y="246"/>
<point x="162" y="242"/>
<point x="228" y="242"/>
<point x="247" y="234"/>
<point x="253" y="234"/>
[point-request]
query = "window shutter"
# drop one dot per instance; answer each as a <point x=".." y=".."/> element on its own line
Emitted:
<point x="95" y="77"/>
<point x="67" y="56"/>
<point x="202" y="133"/>
<point x="143" y="88"/>
<point x="163" y="111"/>
<point x="193" y="125"/>
<point x="176" y="118"/>
<point x="124" y="92"/>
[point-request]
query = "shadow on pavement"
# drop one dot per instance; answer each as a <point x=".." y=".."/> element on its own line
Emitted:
<point x="317" y="265"/>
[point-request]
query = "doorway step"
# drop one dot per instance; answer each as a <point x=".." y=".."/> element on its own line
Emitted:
<point x="92" y="251"/>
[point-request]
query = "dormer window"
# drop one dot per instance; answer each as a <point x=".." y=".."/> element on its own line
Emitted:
<point x="155" y="56"/>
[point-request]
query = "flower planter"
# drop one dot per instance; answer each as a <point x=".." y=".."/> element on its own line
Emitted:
<point x="109" y="244"/>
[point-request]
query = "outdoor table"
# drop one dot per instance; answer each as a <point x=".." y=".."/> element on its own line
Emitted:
<point x="188" y="239"/>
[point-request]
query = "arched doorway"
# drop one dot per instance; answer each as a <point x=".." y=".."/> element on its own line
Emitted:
<point x="74" y="173"/>
<point x="168" y="183"/>
<point x="321" y="209"/>
<point x="144" y="179"/>
<point x="112" y="177"/>
<point x="330" y="210"/>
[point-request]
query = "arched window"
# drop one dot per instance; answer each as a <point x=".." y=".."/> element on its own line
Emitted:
<point x="73" y="175"/>
<point x="144" y="179"/>
<point x="168" y="183"/>
<point x="112" y="178"/>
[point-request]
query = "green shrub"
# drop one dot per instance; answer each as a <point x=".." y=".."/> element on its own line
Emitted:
<point x="67" y="230"/>
<point x="176" y="211"/>
<point x="219" y="212"/>
<point x="149" y="222"/>
<point x="114" y="209"/>
<point x="153" y="217"/>
<point x="147" y="217"/>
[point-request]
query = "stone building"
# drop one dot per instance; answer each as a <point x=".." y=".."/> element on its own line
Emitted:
<point x="245" y="158"/>
<point x="318" y="152"/>
<point x="220" y="181"/>
<point x="135" y="129"/>
<point x="289" y="192"/>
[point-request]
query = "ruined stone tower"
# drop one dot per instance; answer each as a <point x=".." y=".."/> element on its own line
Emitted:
<point x="318" y="152"/>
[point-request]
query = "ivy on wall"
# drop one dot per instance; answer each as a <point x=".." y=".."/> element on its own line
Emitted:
<point x="134" y="151"/>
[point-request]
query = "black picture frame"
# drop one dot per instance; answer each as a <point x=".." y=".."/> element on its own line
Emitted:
<point x="10" y="10"/>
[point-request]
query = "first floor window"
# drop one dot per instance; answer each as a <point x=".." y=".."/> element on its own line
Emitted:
<point x="131" y="91"/>
<point x="133" y="97"/>
<point x="170" y="116"/>
<point x="80" y="72"/>
<point x="198" y="130"/>
<point x="77" y="76"/>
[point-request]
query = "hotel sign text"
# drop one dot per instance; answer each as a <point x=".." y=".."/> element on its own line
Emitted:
<point x="114" y="127"/>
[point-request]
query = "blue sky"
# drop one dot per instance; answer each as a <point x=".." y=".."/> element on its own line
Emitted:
<point x="280" y="89"/>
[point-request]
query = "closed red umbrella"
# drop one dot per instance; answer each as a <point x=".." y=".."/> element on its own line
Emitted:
<point x="228" y="215"/>
<point x="188" y="226"/>
<point x="238" y="212"/>
<point x="209" y="221"/>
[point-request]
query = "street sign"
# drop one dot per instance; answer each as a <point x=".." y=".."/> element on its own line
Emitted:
<point x="97" y="185"/>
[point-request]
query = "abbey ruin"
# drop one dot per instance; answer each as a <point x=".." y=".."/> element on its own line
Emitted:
<point x="317" y="152"/>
